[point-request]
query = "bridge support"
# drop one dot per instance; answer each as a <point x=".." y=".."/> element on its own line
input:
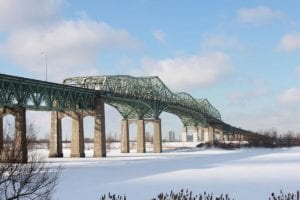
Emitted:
<point x="1" y="133"/>
<point x="195" y="134"/>
<point x="20" y="138"/>
<point x="55" y="143"/>
<point x="204" y="134"/>
<point x="77" y="143"/>
<point x="221" y="136"/>
<point x="242" y="138"/>
<point x="99" y="132"/>
<point x="157" y="141"/>
<point x="140" y="136"/>
<point x="125" y="136"/>
<point x="184" y="134"/>
<point x="211" y="135"/>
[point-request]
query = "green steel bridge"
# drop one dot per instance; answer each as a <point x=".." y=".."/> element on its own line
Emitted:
<point x="136" y="98"/>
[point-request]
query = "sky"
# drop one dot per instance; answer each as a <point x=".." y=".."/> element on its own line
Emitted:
<point x="243" y="56"/>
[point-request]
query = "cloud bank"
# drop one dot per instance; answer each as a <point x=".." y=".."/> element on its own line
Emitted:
<point x="71" y="46"/>
<point x="188" y="72"/>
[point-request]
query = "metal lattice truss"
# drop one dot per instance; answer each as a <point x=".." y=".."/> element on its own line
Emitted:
<point x="147" y="97"/>
<point x="41" y="95"/>
<point x="134" y="98"/>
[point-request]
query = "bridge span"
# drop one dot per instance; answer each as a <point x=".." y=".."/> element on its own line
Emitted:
<point x="138" y="99"/>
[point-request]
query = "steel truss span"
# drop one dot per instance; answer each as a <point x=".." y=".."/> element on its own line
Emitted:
<point x="139" y="99"/>
<point x="148" y="97"/>
<point x="133" y="97"/>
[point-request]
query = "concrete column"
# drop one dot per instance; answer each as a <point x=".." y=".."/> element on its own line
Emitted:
<point x="202" y="134"/>
<point x="195" y="134"/>
<point x="184" y="134"/>
<point x="99" y="132"/>
<point x="236" y="137"/>
<point x="1" y="133"/>
<point x="230" y="137"/>
<point x="226" y="137"/>
<point x="125" y="136"/>
<point x="140" y="136"/>
<point x="211" y="135"/>
<point x="221" y="140"/>
<point x="77" y="143"/>
<point x="157" y="141"/>
<point x="20" y="137"/>
<point x="55" y="140"/>
<point x="206" y="134"/>
<point x="241" y="137"/>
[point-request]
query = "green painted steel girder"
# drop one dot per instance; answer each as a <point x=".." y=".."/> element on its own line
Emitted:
<point x="41" y="95"/>
<point x="151" y="93"/>
<point x="133" y="97"/>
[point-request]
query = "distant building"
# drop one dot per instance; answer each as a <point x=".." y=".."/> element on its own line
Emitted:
<point x="171" y="136"/>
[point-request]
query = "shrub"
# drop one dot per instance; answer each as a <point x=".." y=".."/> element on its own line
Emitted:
<point x="188" y="195"/>
<point x="285" y="196"/>
<point x="113" y="197"/>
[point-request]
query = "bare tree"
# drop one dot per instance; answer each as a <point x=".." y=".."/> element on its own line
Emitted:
<point x="33" y="180"/>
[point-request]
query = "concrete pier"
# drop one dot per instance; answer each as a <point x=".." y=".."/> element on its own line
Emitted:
<point x="99" y="132"/>
<point x="140" y="136"/>
<point x="55" y="140"/>
<point x="195" y="134"/>
<point x="184" y="134"/>
<point x="236" y="137"/>
<point x="20" y="137"/>
<point x="77" y="143"/>
<point x="221" y="136"/>
<point x="211" y="135"/>
<point x="1" y="133"/>
<point x="125" y="148"/>
<point x="202" y="134"/>
<point x="157" y="140"/>
<point x="20" y="140"/>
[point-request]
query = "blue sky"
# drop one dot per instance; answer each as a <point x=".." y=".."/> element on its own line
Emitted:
<point x="241" y="55"/>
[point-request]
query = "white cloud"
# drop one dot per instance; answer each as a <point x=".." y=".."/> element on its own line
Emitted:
<point x="221" y="42"/>
<point x="291" y="95"/>
<point x="188" y="72"/>
<point x="16" y="14"/>
<point x="289" y="42"/>
<point x="71" y="47"/>
<point x="259" y="16"/>
<point x="159" y="35"/>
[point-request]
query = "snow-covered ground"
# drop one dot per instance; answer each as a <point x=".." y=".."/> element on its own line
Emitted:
<point x="243" y="174"/>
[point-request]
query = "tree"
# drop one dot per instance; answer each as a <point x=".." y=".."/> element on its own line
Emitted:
<point x="33" y="180"/>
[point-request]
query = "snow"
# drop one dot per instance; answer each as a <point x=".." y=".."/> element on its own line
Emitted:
<point x="243" y="174"/>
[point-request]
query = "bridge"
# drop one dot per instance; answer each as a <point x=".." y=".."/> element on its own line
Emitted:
<point x="138" y="99"/>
